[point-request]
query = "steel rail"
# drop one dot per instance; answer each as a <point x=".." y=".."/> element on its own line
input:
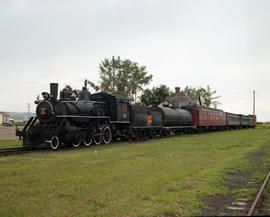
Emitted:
<point x="10" y="151"/>
<point x="258" y="196"/>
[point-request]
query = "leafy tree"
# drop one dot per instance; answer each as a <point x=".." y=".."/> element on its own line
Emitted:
<point x="121" y="77"/>
<point x="75" y="92"/>
<point x="95" y="87"/>
<point x="155" y="95"/>
<point x="207" y="95"/>
<point x="69" y="87"/>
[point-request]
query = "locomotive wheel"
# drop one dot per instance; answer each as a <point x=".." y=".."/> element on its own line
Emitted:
<point x="76" y="143"/>
<point x="107" y="135"/>
<point x="97" y="137"/>
<point x="87" y="141"/>
<point x="54" y="142"/>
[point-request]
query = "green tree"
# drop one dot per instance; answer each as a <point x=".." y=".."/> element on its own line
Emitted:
<point x="75" y="92"/>
<point x="69" y="87"/>
<point x="122" y="77"/>
<point x="155" y="95"/>
<point x="207" y="95"/>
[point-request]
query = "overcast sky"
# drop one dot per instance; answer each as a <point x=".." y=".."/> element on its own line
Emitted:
<point x="221" y="43"/>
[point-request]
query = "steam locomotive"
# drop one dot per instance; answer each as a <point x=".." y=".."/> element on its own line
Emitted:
<point x="88" y="119"/>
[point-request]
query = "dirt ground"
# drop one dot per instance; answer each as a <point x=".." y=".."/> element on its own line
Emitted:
<point x="228" y="205"/>
<point x="7" y="133"/>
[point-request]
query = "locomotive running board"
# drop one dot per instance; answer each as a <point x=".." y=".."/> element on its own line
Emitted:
<point x="146" y="127"/>
<point x="81" y="116"/>
<point x="119" y="122"/>
<point x="176" y="127"/>
<point x="179" y="127"/>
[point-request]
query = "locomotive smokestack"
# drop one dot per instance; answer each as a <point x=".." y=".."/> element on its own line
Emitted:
<point x="54" y="90"/>
<point x="177" y="90"/>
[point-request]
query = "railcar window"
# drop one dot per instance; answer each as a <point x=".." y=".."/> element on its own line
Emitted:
<point x="124" y="107"/>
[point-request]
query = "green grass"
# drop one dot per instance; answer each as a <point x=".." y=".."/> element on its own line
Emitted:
<point x="168" y="177"/>
<point x="263" y="126"/>
<point x="23" y="123"/>
<point x="258" y="172"/>
<point x="10" y="143"/>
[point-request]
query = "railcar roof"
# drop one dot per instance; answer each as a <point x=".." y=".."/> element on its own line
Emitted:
<point x="204" y="108"/>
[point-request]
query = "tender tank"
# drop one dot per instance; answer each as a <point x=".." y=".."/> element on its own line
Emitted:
<point x="138" y="116"/>
<point x="173" y="117"/>
<point x="156" y="118"/>
<point x="141" y="117"/>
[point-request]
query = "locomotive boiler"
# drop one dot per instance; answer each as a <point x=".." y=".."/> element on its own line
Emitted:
<point x="50" y="107"/>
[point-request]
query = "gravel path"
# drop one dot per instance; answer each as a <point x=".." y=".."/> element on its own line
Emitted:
<point x="7" y="133"/>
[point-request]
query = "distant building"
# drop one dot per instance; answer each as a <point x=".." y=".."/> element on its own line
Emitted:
<point x="4" y="117"/>
<point x="20" y="116"/>
<point x="182" y="99"/>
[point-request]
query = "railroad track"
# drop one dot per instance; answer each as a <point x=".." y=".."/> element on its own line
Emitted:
<point x="258" y="196"/>
<point x="10" y="151"/>
<point x="242" y="207"/>
<point x="21" y="150"/>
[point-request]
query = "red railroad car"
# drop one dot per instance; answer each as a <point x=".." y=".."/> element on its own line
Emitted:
<point x="207" y="117"/>
<point x="254" y="120"/>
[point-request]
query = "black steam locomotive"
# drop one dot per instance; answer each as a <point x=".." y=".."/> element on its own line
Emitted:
<point x="101" y="117"/>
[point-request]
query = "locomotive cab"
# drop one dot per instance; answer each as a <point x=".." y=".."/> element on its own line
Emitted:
<point x="117" y="107"/>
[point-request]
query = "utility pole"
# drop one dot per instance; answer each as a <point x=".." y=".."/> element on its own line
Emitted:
<point x="28" y="110"/>
<point x="253" y="102"/>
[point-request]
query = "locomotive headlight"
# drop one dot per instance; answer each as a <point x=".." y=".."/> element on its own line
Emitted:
<point x="45" y="111"/>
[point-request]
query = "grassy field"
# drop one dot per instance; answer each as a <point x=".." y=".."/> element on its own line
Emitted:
<point x="164" y="177"/>
<point x="263" y="126"/>
<point x="10" y="143"/>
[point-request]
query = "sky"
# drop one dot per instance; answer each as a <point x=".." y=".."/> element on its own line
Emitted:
<point x="221" y="43"/>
